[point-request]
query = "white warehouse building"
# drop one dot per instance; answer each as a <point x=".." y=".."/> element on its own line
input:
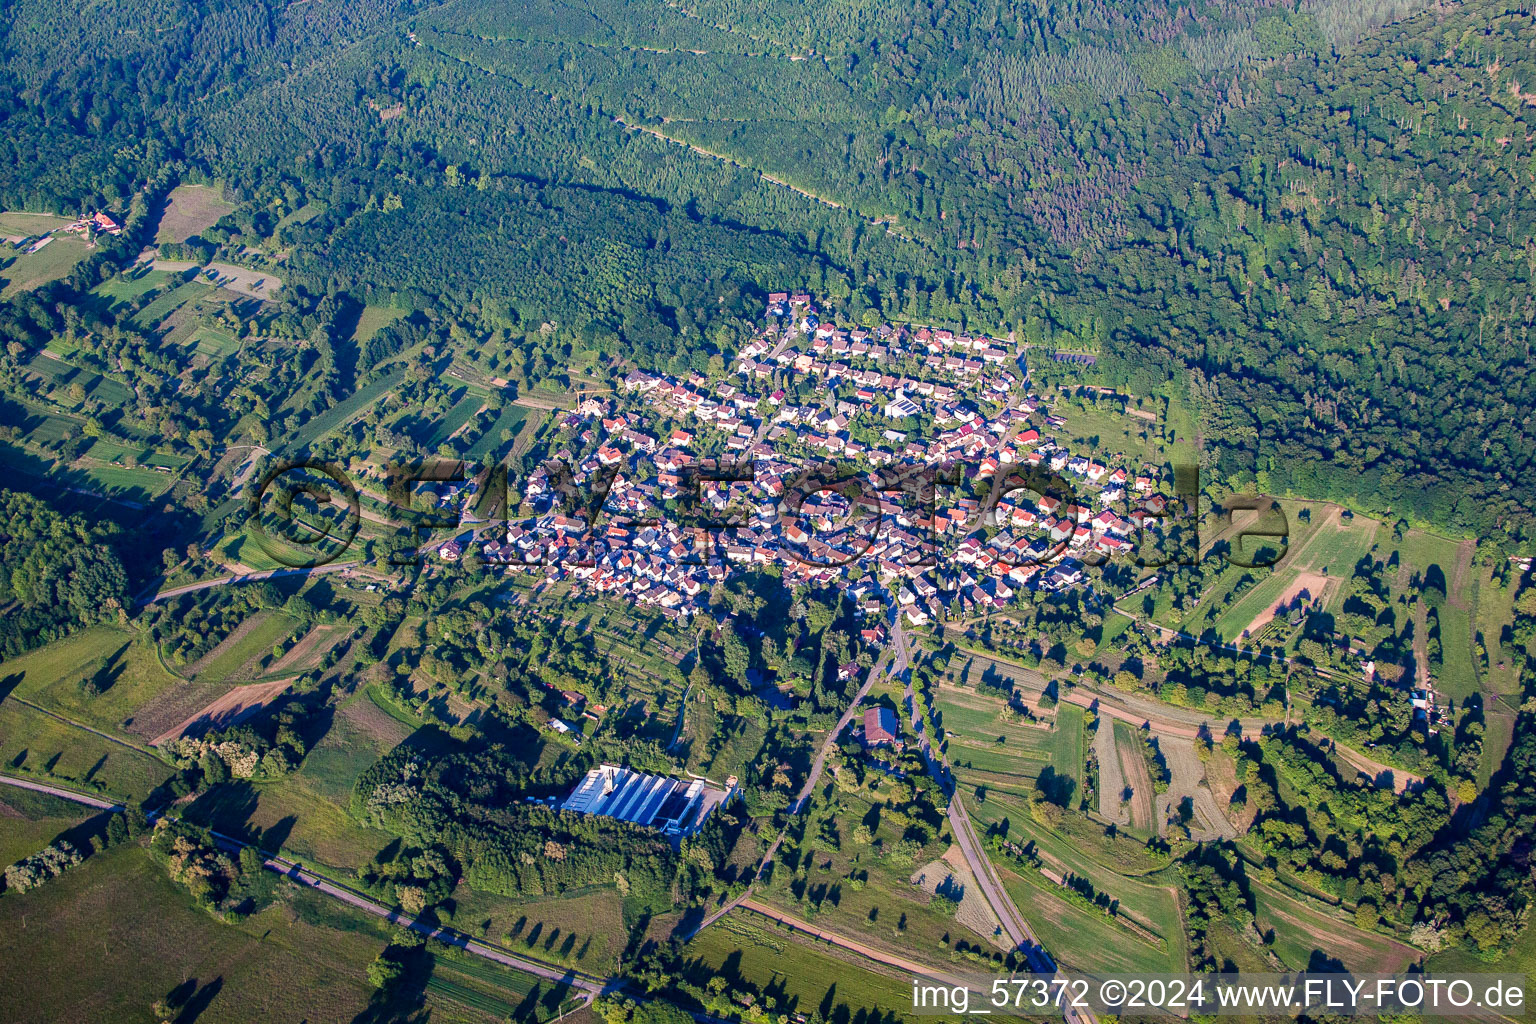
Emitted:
<point x="675" y="807"/>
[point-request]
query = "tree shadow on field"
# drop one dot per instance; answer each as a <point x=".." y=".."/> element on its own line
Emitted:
<point x="89" y="835"/>
<point x="1322" y="963"/>
<point x="273" y="838"/>
<point x="1056" y="788"/>
<point x="104" y="678"/>
<point x="229" y="807"/>
<point x="399" y="1004"/>
<point x="100" y="763"/>
<point x="197" y="1001"/>
<point x="404" y="1001"/>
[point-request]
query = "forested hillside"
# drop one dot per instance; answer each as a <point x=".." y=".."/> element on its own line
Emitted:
<point x="1310" y="220"/>
<point x="1345" y="262"/>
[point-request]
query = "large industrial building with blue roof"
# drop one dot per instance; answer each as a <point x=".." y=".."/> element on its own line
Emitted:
<point x="675" y="807"/>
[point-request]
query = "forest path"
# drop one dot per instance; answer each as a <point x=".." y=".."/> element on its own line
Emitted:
<point x="888" y="225"/>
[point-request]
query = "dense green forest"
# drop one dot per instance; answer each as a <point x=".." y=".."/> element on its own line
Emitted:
<point x="1309" y="220"/>
<point x="57" y="572"/>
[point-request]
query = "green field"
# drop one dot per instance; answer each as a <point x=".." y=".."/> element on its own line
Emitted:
<point x="504" y="994"/>
<point x="245" y="549"/>
<point x="30" y="821"/>
<point x="1075" y="840"/>
<point x="402" y="716"/>
<point x="14" y="222"/>
<point x="1495" y="608"/>
<point x="125" y="669"/>
<point x="974" y="727"/>
<point x="305" y="813"/>
<point x="455" y="418"/>
<point x="90" y="475"/>
<point x="342" y="412"/>
<point x="1457" y="677"/>
<point x="989" y="749"/>
<point x="130" y="285"/>
<point x="288" y="816"/>
<point x="1148" y="900"/>
<point x="33" y="745"/>
<point x="139" y="486"/>
<point x="303" y="215"/>
<point x="584" y="930"/>
<point x="1418" y="550"/>
<point x="1087" y="939"/>
<point x="1301" y="928"/>
<point x="166" y="304"/>
<point x="113" y="935"/>
<point x="213" y="341"/>
<point x="244" y="654"/>
<point x="1331" y="548"/>
<point x="1069" y="747"/>
<point x="1221" y="580"/>
<point x="22" y="272"/>
<point x="14" y="459"/>
<point x="1122" y="439"/>
<point x="797" y="976"/>
<point x="372" y="319"/>
<point x="490" y="444"/>
<point x="887" y="910"/>
<point x="46" y="423"/>
<point x="59" y="374"/>
<point x="1499" y="733"/>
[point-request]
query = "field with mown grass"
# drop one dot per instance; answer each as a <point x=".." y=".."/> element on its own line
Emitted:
<point x="36" y="746"/>
<point x="371" y="319"/>
<point x="1088" y="939"/>
<point x="1117" y="865"/>
<point x="168" y="302"/>
<point x="130" y="285"/>
<point x="581" y="929"/>
<point x="1303" y="930"/>
<point x="1088" y="841"/>
<point x="793" y="973"/>
<point x="121" y="666"/>
<point x="30" y="821"/>
<point x="23" y="271"/>
<point x="989" y="746"/>
<point x="113" y="935"/>
<point x="245" y="653"/>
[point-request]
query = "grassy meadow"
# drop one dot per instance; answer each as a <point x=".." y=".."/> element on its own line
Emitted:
<point x="796" y="975"/>
<point x="114" y="934"/>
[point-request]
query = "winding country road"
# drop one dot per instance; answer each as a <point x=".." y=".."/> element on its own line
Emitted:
<point x="249" y="577"/>
<point x="1014" y="924"/>
<point x="63" y="794"/>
